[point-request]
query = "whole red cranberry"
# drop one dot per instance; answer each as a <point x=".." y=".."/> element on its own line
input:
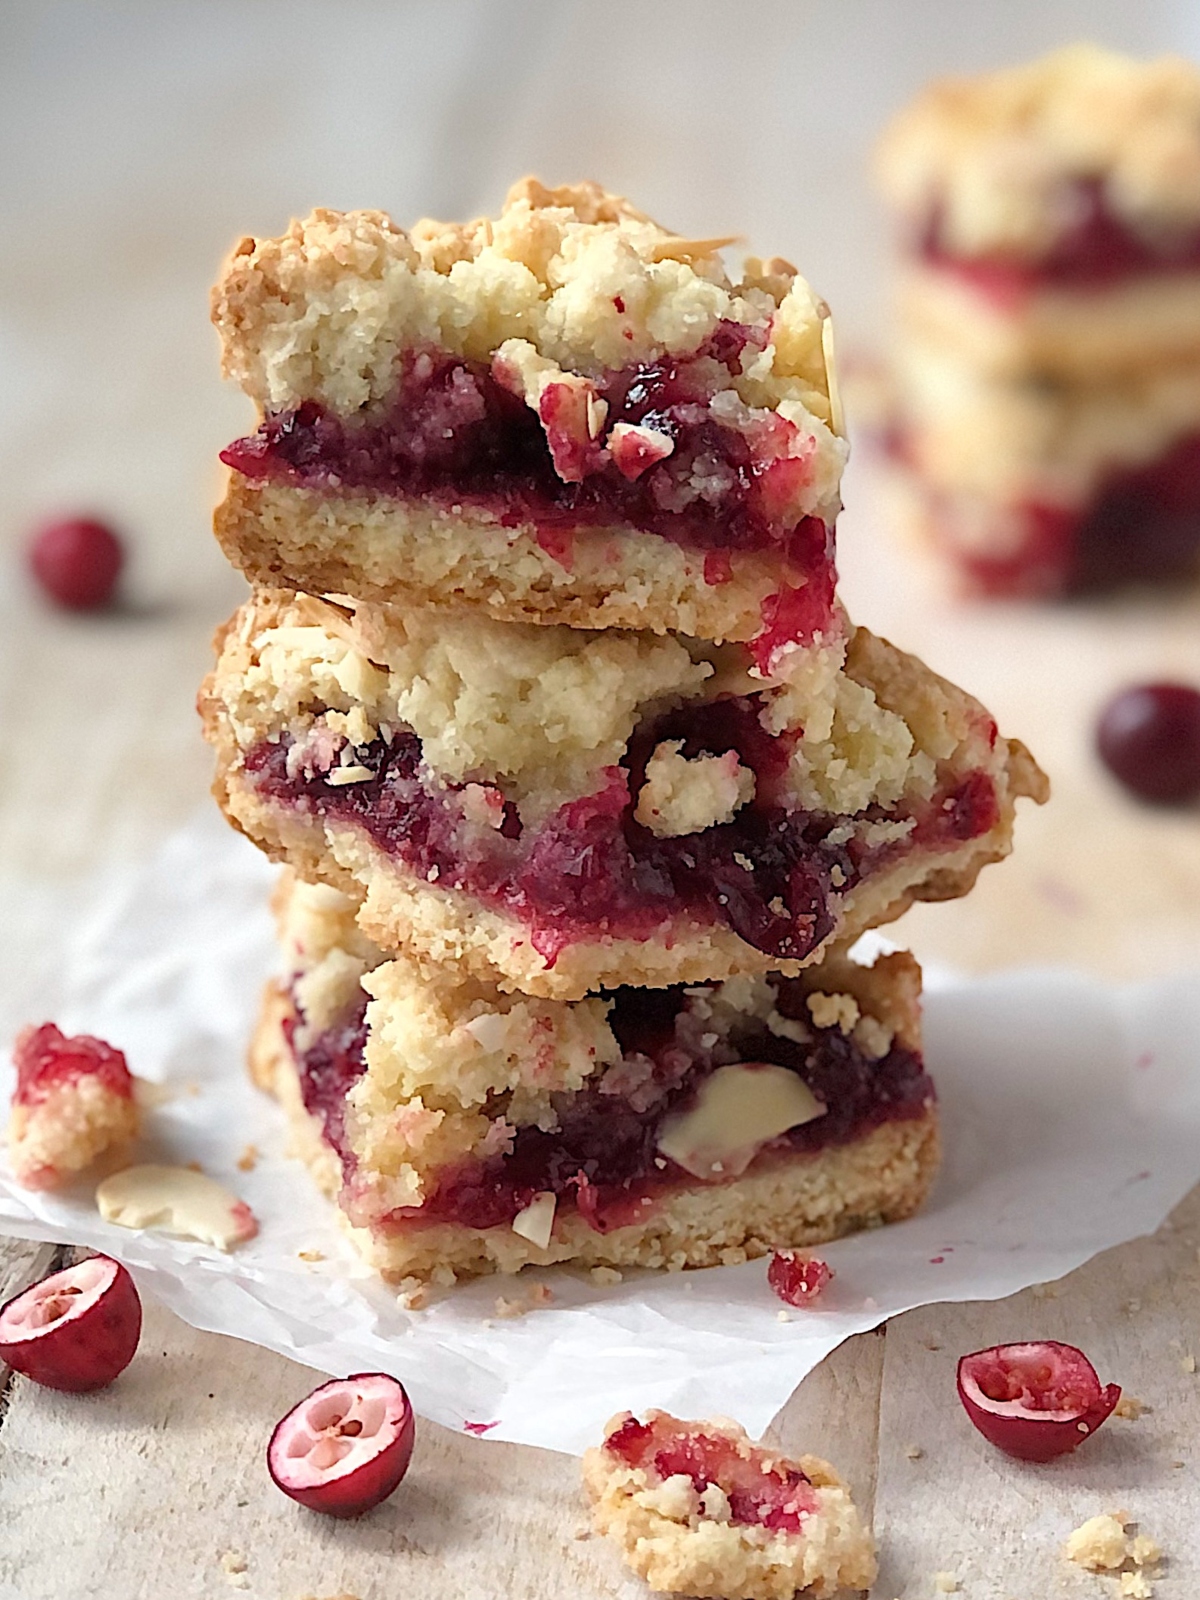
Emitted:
<point x="1149" y="739"/>
<point x="77" y="562"/>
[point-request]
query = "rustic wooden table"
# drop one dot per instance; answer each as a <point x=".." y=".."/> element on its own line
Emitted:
<point x="158" y="1488"/>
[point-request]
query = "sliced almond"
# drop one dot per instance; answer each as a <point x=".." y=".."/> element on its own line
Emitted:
<point x="736" y="1111"/>
<point x="536" y="1222"/>
<point x="176" y="1200"/>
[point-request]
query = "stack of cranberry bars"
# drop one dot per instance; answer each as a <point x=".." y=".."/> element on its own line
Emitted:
<point x="583" y="781"/>
<point x="1048" y="338"/>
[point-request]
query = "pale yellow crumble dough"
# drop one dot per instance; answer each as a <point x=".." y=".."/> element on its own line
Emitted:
<point x="682" y="1543"/>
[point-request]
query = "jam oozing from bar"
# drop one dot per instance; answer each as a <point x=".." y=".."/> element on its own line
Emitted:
<point x="46" y="1059"/>
<point x="330" y="1064"/>
<point x="1142" y="525"/>
<point x="453" y="432"/>
<point x="762" y="1490"/>
<point x="593" y="871"/>
<point x="1098" y="248"/>
<point x="602" y="1159"/>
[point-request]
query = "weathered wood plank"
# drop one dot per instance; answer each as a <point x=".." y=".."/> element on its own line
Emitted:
<point x="998" y="1525"/>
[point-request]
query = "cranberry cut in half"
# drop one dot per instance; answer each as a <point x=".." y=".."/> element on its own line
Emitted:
<point x="798" y="1279"/>
<point x="77" y="1329"/>
<point x="1149" y="739"/>
<point x="346" y="1447"/>
<point x="77" y="562"/>
<point x="1034" y="1401"/>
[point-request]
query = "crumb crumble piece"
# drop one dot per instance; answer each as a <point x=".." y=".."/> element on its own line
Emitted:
<point x="946" y="1583"/>
<point x="1131" y="1408"/>
<point x="1104" y="1544"/>
<point x="248" y="1159"/>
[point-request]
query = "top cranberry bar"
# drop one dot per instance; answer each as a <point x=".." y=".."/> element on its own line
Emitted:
<point x="565" y="414"/>
<point x="1081" y="170"/>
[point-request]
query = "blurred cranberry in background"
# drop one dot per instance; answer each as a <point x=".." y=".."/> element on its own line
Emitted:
<point x="1149" y="739"/>
<point x="77" y="562"/>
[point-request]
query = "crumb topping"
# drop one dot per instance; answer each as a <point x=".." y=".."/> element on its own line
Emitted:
<point x="686" y="795"/>
<point x="564" y="284"/>
<point x="994" y="156"/>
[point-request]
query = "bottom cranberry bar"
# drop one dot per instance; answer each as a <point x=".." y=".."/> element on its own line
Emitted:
<point x="468" y="1129"/>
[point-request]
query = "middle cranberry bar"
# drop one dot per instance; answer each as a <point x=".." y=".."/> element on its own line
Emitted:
<point x="560" y="810"/>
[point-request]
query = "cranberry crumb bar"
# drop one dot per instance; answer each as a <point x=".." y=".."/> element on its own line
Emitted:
<point x="696" y="1508"/>
<point x="563" y="414"/>
<point x="559" y="810"/>
<point x="1048" y="339"/>
<point x="469" y="1130"/>
<point x="74" y="1101"/>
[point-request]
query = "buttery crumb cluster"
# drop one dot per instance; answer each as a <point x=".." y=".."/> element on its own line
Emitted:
<point x="582" y="779"/>
<point x="1047" y="361"/>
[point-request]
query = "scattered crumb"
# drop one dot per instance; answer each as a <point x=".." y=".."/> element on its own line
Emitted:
<point x="783" y="1316"/>
<point x="311" y="1255"/>
<point x="1099" y="1544"/>
<point x="1131" y="1408"/>
<point x="413" y="1294"/>
<point x="1188" y="1362"/>
<point x="582" y="1533"/>
<point x="914" y="1452"/>
<point x="945" y="1583"/>
<point x="606" y="1275"/>
<point x="1045" y="1291"/>
<point x="1132" y="1307"/>
<point x="233" y="1565"/>
<point x="1179" y="1463"/>
<point x="248" y="1159"/>
<point x="193" y="1166"/>
<point x="536" y="1294"/>
<point x="193" y="1089"/>
<point x="1104" y="1544"/>
<point x="929" y="1345"/>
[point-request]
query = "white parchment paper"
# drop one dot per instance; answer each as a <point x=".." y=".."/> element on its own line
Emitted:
<point x="1071" y="1112"/>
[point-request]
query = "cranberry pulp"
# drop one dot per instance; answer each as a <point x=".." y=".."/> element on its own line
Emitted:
<point x="1142" y="525"/>
<point x="46" y="1060"/>
<point x="329" y="1065"/>
<point x="452" y="431"/>
<point x="762" y="1490"/>
<point x="592" y="871"/>
<point x="601" y="1159"/>
<point x="1096" y="249"/>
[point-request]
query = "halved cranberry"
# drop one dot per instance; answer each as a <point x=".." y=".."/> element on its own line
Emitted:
<point x="346" y="1446"/>
<point x="798" y="1279"/>
<point x="77" y="1329"/>
<point x="77" y="562"/>
<point x="1149" y="739"/>
<point x="1034" y="1401"/>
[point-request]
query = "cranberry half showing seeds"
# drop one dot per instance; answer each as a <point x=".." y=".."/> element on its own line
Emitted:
<point x="1149" y="739"/>
<point x="346" y="1447"/>
<point x="1034" y="1401"/>
<point x="77" y="1329"/>
<point x="77" y="562"/>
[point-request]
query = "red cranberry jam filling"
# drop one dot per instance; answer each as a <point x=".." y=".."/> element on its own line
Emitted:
<point x="762" y="1490"/>
<point x="1141" y="526"/>
<point x="454" y="432"/>
<point x="1097" y="249"/>
<point x="593" y="871"/>
<point x="46" y="1060"/>
<point x="602" y="1160"/>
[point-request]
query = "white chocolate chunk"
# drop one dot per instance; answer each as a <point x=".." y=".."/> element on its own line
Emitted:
<point x="536" y="1222"/>
<point x="176" y="1200"/>
<point x="737" y="1110"/>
